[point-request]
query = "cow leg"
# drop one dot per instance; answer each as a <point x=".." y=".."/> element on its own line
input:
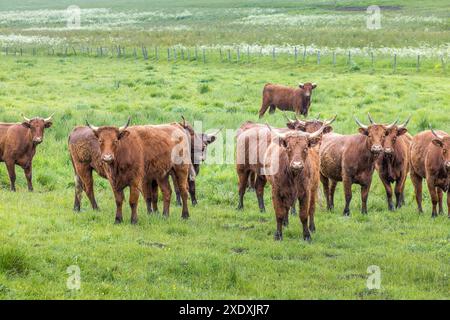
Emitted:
<point x="326" y="189"/>
<point x="154" y="195"/>
<point x="264" y="106"/>
<point x="272" y="109"/>
<point x="388" y="188"/>
<point x="434" y="197"/>
<point x="243" y="178"/>
<point x="259" y="186"/>
<point x="280" y="213"/>
<point x="417" y="183"/>
<point x="176" y="189"/>
<point x="147" y="192"/>
<point x="399" y="192"/>
<point x="304" y="214"/>
<point x="191" y="188"/>
<point x="167" y="193"/>
<point x="182" y="180"/>
<point x="364" y="195"/>
<point x="348" y="195"/>
<point x="293" y="209"/>
<point x="29" y="175"/>
<point x="12" y="174"/>
<point x="118" y="195"/>
<point x="448" y="204"/>
<point x="312" y="210"/>
<point x="332" y="191"/>
<point x="251" y="181"/>
<point x="134" y="198"/>
<point x="440" y="196"/>
<point x="78" y="193"/>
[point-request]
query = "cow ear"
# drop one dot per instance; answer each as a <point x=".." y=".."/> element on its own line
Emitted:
<point x="314" y="141"/>
<point x="327" y="129"/>
<point x="363" y="131"/>
<point x="301" y="86"/>
<point x="401" y="131"/>
<point x="48" y="124"/>
<point x="26" y="124"/>
<point x="437" y="143"/>
<point x="210" y="139"/>
<point x="291" y="126"/>
<point x="282" y="142"/>
<point x="314" y="85"/>
<point x="123" y="134"/>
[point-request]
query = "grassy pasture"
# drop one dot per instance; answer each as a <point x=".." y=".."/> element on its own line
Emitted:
<point x="219" y="252"/>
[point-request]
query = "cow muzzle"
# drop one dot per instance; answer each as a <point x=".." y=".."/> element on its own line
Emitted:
<point x="37" y="140"/>
<point x="388" y="151"/>
<point x="447" y="165"/>
<point x="376" y="149"/>
<point x="108" y="158"/>
<point x="296" y="166"/>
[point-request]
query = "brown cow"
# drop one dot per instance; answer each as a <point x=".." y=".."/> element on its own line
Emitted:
<point x="292" y="168"/>
<point x="136" y="156"/>
<point x="199" y="143"/>
<point x="350" y="159"/>
<point x="18" y="142"/>
<point x="253" y="140"/>
<point x="430" y="160"/>
<point x="287" y="98"/>
<point x="393" y="165"/>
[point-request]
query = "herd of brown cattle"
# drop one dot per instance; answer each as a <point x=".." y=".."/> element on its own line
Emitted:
<point x="294" y="160"/>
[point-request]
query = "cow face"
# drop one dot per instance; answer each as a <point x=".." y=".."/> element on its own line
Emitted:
<point x="443" y="142"/>
<point x="297" y="150"/>
<point x="37" y="126"/>
<point x="199" y="142"/>
<point x="376" y="135"/>
<point x="308" y="126"/>
<point x="307" y="88"/>
<point x="390" y="140"/>
<point x="109" y="139"/>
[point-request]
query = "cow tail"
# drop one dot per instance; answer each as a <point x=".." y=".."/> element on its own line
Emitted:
<point x="192" y="173"/>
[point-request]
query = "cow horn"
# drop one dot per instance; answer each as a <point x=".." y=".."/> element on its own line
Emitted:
<point x="287" y="118"/>
<point x="215" y="133"/>
<point x="436" y="134"/>
<point x="301" y="84"/>
<point x="317" y="133"/>
<point x="277" y="134"/>
<point x="318" y="117"/>
<point x="93" y="128"/>
<point x="49" y="118"/>
<point x="184" y="121"/>
<point x="328" y="122"/>
<point x="26" y="119"/>
<point x="405" y="124"/>
<point x="392" y="124"/>
<point x="360" y="124"/>
<point x="126" y="125"/>
<point x="370" y="118"/>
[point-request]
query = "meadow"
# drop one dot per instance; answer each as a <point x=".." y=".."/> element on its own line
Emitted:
<point x="219" y="253"/>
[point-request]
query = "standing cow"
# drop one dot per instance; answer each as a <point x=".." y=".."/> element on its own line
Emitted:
<point x="136" y="156"/>
<point x="292" y="169"/>
<point x="287" y="98"/>
<point x="430" y="160"/>
<point x="351" y="159"/>
<point x="18" y="142"/>
<point x="393" y="165"/>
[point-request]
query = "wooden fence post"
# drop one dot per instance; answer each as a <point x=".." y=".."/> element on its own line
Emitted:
<point x="395" y="63"/>
<point x="418" y="63"/>
<point x="334" y="59"/>
<point x="304" y="55"/>
<point x="318" y="57"/>
<point x="295" y="54"/>
<point x="204" y="55"/>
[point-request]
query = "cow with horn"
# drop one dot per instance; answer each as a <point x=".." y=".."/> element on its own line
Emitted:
<point x="393" y="165"/>
<point x="18" y="142"/>
<point x="291" y="165"/>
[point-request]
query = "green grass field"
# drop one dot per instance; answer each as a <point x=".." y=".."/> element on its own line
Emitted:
<point x="219" y="252"/>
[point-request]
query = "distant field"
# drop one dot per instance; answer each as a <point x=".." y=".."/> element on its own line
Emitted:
<point x="220" y="252"/>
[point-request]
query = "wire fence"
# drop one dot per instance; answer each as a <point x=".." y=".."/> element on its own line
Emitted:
<point x="297" y="55"/>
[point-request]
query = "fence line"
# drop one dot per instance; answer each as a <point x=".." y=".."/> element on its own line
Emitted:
<point x="177" y="53"/>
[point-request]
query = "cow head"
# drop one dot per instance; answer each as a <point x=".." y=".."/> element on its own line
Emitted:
<point x="199" y="142"/>
<point x="37" y="126"/>
<point x="307" y="88"/>
<point x="376" y="135"/>
<point x="297" y="144"/>
<point x="443" y="142"/>
<point x="309" y="125"/>
<point x="392" y="134"/>
<point x="109" y="139"/>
